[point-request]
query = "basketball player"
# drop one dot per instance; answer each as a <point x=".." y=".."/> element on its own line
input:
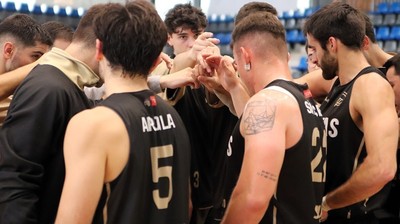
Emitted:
<point x="133" y="141"/>
<point x="282" y="175"/>
<point x="359" y="114"/>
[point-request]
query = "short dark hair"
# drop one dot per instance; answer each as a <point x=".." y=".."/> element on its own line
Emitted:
<point x="186" y="16"/>
<point x="369" y="28"/>
<point x="25" y="30"/>
<point x="259" y="22"/>
<point x="338" y="20"/>
<point x="58" y="29"/>
<point x="132" y="36"/>
<point x="253" y="7"/>
<point x="84" y="32"/>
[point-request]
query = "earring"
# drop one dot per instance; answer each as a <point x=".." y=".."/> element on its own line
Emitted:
<point x="247" y="67"/>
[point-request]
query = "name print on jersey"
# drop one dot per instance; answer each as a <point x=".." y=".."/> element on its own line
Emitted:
<point x="312" y="109"/>
<point x="157" y="123"/>
<point x="331" y="126"/>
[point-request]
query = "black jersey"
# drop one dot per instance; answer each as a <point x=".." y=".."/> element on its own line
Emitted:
<point x="209" y="130"/>
<point x="31" y="142"/>
<point x="346" y="148"/>
<point x="154" y="185"/>
<point x="301" y="181"/>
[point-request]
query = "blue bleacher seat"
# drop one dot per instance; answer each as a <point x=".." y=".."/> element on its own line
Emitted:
<point x="298" y="14"/>
<point x="301" y="39"/>
<point x="287" y="14"/>
<point x="309" y="11"/>
<point x="292" y="36"/>
<point x="383" y="8"/>
<point x="395" y="7"/>
<point x="301" y="67"/>
<point x="62" y="12"/>
<point x="10" y="7"/>
<point x="395" y="33"/>
<point x="24" y="8"/>
<point x="74" y="13"/>
<point x="49" y="11"/>
<point x="37" y="10"/>
<point x="383" y="33"/>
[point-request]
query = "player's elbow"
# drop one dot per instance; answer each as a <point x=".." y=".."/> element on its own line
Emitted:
<point x="256" y="205"/>
<point x="386" y="172"/>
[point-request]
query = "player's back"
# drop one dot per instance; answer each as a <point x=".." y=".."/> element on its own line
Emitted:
<point x="154" y="185"/>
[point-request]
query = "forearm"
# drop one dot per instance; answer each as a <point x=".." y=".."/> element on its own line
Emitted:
<point x="226" y="99"/>
<point x="182" y="61"/>
<point x="177" y="79"/>
<point x="366" y="181"/>
<point x="240" y="96"/>
<point x="9" y="82"/>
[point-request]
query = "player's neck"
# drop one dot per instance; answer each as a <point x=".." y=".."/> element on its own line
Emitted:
<point x="116" y="82"/>
<point x="350" y="64"/>
<point x="267" y="73"/>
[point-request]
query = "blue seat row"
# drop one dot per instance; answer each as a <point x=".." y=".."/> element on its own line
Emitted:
<point x="298" y="13"/>
<point x="388" y="33"/>
<point x="295" y="36"/>
<point x="302" y="66"/>
<point x="42" y="13"/>
<point x="387" y="7"/>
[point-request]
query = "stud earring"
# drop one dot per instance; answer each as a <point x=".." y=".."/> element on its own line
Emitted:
<point x="247" y="67"/>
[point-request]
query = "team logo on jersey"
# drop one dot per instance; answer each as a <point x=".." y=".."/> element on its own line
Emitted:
<point x="307" y="93"/>
<point x="341" y="99"/>
<point x="151" y="101"/>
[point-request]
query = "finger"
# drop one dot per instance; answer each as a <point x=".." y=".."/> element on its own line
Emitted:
<point x="205" y="35"/>
<point x="214" y="60"/>
<point x="213" y="41"/>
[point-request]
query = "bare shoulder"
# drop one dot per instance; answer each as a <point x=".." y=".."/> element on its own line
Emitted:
<point x="100" y="123"/>
<point x="371" y="81"/>
<point x="264" y="108"/>
<point x="370" y="87"/>
<point x="371" y="93"/>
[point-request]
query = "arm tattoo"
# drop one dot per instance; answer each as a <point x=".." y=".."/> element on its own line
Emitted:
<point x="260" y="117"/>
<point x="267" y="175"/>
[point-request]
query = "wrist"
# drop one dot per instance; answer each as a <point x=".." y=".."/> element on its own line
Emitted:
<point x="325" y="205"/>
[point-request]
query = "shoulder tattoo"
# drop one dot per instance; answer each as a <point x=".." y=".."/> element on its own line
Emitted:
<point x="259" y="116"/>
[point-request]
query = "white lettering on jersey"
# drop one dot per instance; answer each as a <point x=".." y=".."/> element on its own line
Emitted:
<point x="157" y="123"/>
<point x="312" y="109"/>
<point x="229" y="150"/>
<point x="331" y="126"/>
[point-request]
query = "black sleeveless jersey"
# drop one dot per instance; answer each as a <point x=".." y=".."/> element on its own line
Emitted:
<point x="346" y="147"/>
<point x="301" y="181"/>
<point x="209" y="130"/>
<point x="154" y="185"/>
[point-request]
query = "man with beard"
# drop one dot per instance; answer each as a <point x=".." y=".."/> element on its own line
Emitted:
<point x="359" y="115"/>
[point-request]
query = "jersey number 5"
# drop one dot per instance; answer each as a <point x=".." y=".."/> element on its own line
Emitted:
<point x="165" y="171"/>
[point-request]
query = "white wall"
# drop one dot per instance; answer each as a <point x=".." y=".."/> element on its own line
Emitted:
<point x="231" y="7"/>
